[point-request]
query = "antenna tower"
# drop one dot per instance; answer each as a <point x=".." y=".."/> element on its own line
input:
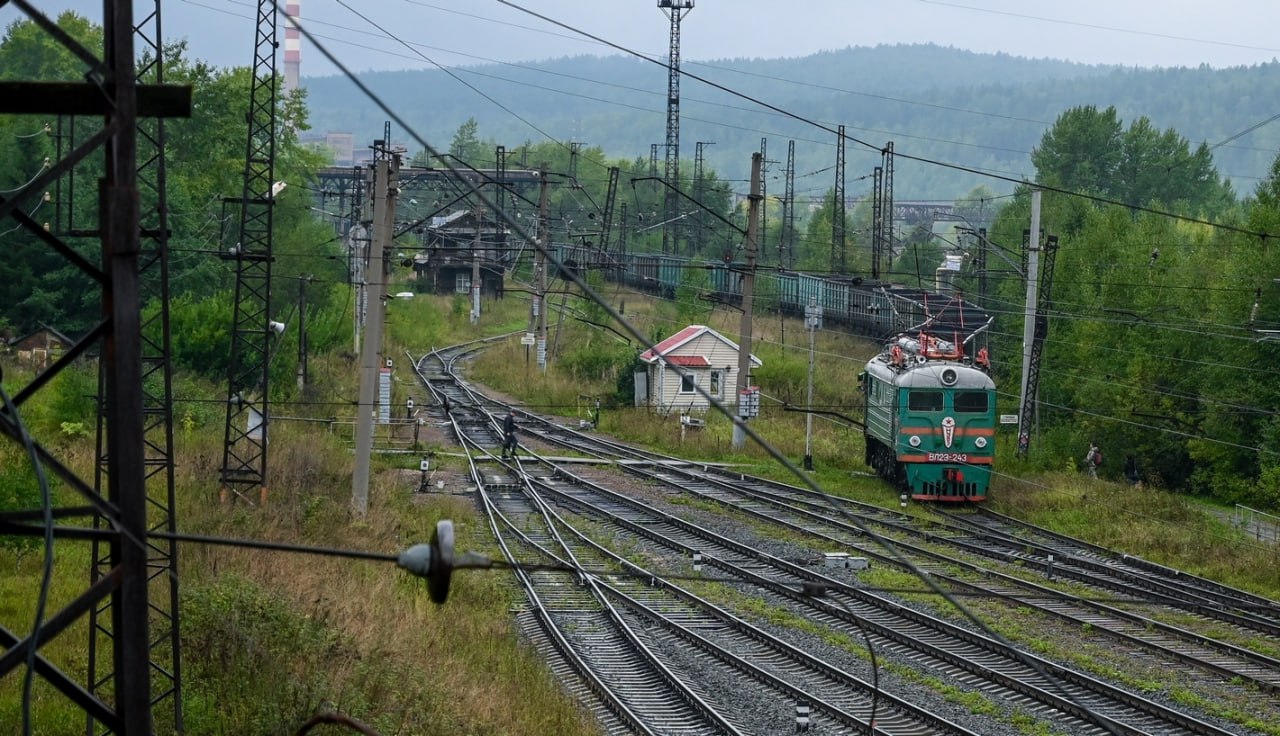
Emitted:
<point x="675" y="10"/>
<point x="244" y="458"/>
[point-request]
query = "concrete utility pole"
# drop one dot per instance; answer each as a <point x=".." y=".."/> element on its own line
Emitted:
<point x="748" y="289"/>
<point x="540" y="303"/>
<point x="384" y="218"/>
<point x="813" y="322"/>
<point x="1029" y="318"/>
<point x="475" y="269"/>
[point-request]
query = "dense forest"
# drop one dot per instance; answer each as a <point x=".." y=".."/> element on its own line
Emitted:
<point x="979" y="111"/>
<point x="205" y="162"/>
<point x="1161" y="314"/>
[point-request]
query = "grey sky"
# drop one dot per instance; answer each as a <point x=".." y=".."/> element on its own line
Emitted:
<point x="1130" y="32"/>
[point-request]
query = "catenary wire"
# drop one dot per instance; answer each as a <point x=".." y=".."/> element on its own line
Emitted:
<point x="745" y="427"/>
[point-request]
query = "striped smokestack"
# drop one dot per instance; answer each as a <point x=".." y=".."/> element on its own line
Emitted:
<point x="292" y="45"/>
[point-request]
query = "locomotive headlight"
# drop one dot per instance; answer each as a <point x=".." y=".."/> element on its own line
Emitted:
<point x="980" y="442"/>
<point x="914" y="441"/>
<point x="949" y="377"/>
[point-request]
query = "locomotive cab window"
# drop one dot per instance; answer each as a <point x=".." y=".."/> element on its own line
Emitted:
<point x="970" y="402"/>
<point x="924" y="401"/>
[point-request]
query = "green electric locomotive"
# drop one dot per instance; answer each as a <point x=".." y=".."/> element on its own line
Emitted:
<point x="931" y="418"/>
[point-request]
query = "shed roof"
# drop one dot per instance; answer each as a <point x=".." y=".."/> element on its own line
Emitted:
<point x="664" y="349"/>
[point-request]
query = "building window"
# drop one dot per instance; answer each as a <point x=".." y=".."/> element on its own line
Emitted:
<point x="716" y="378"/>
<point x="687" y="383"/>
<point x="462" y="284"/>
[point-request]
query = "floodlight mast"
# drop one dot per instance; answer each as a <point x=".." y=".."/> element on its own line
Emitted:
<point x="675" y="10"/>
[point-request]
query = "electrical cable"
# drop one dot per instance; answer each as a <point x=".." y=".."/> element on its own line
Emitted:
<point x="1245" y="132"/>
<point x="446" y="70"/>
<point x="35" y="176"/>
<point x="46" y="576"/>
<point x="899" y="154"/>
<point x="1096" y="26"/>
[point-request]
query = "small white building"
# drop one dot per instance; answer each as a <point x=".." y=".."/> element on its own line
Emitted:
<point x="696" y="356"/>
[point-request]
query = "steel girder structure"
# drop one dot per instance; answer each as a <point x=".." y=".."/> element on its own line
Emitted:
<point x="165" y="649"/>
<point x="244" y="458"/>
<point x="127" y="521"/>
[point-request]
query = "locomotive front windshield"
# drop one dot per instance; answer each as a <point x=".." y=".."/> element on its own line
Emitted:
<point x="970" y="402"/>
<point x="924" y="401"/>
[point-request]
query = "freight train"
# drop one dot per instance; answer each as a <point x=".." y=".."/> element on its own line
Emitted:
<point x="874" y="309"/>
<point x="930" y="416"/>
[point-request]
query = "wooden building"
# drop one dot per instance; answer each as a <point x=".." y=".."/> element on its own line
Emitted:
<point x="452" y="247"/>
<point x="696" y="356"/>
<point x="40" y="348"/>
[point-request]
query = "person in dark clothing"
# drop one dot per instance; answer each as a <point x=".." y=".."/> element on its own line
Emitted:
<point x="1131" y="473"/>
<point x="509" y="434"/>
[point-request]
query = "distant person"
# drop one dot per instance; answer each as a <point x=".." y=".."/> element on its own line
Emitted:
<point x="509" y="435"/>
<point x="1093" y="459"/>
<point x="1131" y="473"/>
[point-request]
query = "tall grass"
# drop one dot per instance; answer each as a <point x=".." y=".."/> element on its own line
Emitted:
<point x="271" y="637"/>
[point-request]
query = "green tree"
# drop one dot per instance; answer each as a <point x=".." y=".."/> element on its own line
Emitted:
<point x="466" y="144"/>
<point x="1082" y="151"/>
<point x="1088" y="150"/>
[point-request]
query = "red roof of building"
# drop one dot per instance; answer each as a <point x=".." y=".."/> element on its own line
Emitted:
<point x="663" y="349"/>
<point x="673" y="342"/>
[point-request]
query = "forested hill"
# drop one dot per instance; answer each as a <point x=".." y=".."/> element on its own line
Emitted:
<point x="980" y="111"/>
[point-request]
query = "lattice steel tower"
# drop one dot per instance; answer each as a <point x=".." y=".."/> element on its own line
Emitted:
<point x="839" y="263"/>
<point x="675" y="10"/>
<point x="129" y="486"/>
<point x="164" y="650"/>
<point x="244" y="459"/>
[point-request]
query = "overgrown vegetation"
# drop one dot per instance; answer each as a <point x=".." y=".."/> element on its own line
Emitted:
<point x="270" y="638"/>
<point x="1153" y="351"/>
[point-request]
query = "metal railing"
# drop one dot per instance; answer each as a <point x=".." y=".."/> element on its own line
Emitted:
<point x="1260" y="525"/>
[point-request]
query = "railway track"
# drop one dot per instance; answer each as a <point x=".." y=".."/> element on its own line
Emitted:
<point x="805" y="511"/>
<point x="1057" y="693"/>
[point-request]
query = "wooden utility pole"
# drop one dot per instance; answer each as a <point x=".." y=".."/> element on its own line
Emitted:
<point x="748" y="289"/>
<point x="384" y="218"/>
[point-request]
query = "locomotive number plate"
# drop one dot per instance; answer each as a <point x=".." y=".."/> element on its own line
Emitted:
<point x="948" y="457"/>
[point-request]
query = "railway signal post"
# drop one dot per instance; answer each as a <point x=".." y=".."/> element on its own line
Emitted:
<point x="812" y="322"/>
